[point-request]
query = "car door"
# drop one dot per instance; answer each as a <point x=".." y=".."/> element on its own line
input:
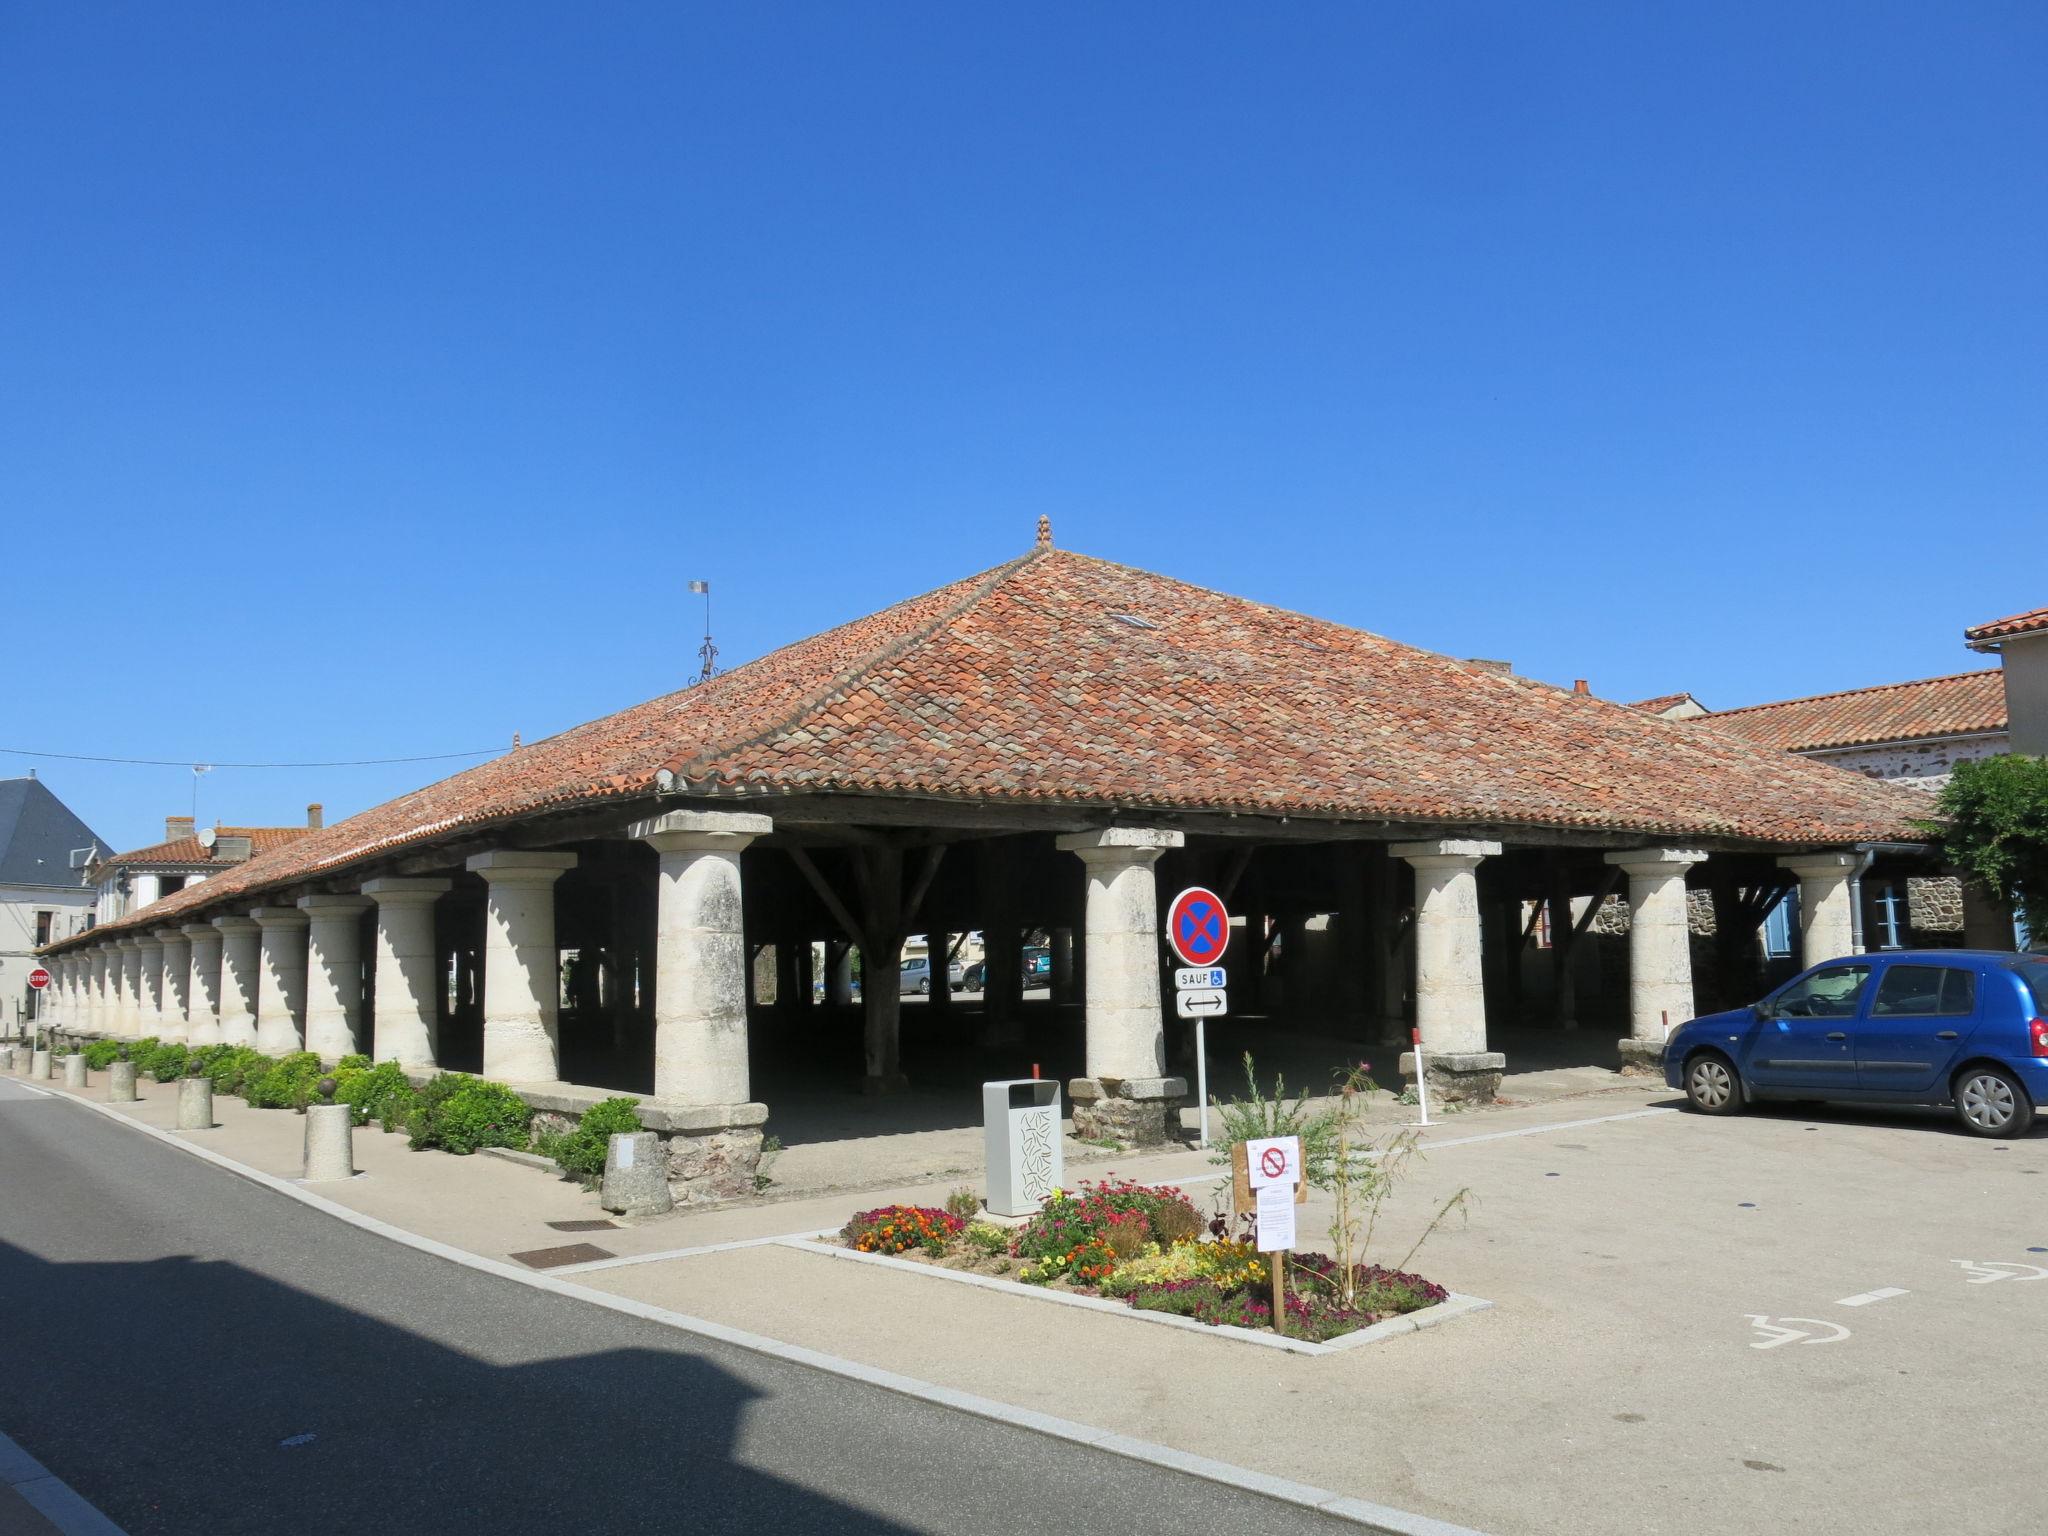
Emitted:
<point x="1918" y="1019"/>
<point x="1805" y="1041"/>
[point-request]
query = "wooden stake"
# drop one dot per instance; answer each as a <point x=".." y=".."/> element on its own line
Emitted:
<point x="1279" y="1263"/>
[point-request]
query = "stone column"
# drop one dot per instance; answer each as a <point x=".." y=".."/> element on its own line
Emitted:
<point x="407" y="1028"/>
<point x="1826" y="922"/>
<point x="522" y="966"/>
<point x="1987" y="921"/>
<point x="1063" y="966"/>
<point x="128" y="1011"/>
<point x="172" y="1023"/>
<point x="281" y="983"/>
<point x="98" y="1009"/>
<point x="1126" y="1095"/>
<point x="700" y="960"/>
<point x="334" y="974"/>
<point x="1659" y="951"/>
<point x="241" y="966"/>
<point x="839" y="973"/>
<point x="1450" y="988"/>
<point x="150" y="999"/>
<point x="202" y="989"/>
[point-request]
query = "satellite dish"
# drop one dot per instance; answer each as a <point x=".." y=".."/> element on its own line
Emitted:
<point x="207" y="836"/>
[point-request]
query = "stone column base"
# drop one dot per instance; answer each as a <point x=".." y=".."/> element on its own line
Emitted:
<point x="1641" y="1058"/>
<point x="1138" y="1111"/>
<point x="1459" y="1077"/>
<point x="714" y="1150"/>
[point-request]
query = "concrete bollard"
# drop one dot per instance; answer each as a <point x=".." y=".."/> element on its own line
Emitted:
<point x="330" y="1139"/>
<point x="635" y="1175"/>
<point x="39" y="1065"/>
<point x="121" y="1082"/>
<point x="74" y="1070"/>
<point x="18" y="1059"/>
<point x="195" y="1104"/>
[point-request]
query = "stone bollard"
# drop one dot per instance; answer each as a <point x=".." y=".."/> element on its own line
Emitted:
<point x="74" y="1070"/>
<point x="121" y="1082"/>
<point x="195" y="1103"/>
<point x="39" y="1065"/>
<point x="19" y="1059"/>
<point x="330" y="1139"/>
<point x="635" y="1175"/>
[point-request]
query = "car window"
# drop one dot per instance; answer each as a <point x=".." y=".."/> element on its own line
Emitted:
<point x="1940" y="991"/>
<point x="2035" y="974"/>
<point x="1828" y="994"/>
<point x="913" y="965"/>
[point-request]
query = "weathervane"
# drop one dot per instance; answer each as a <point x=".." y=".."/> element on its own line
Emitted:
<point x="707" y="653"/>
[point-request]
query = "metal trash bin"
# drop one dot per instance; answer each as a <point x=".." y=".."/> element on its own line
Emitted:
<point x="1021" y="1131"/>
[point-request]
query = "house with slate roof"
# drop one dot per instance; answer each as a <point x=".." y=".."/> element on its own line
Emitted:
<point x="44" y="898"/>
<point x="1050" y="744"/>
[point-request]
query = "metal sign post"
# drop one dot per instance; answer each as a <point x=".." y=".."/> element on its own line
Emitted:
<point x="1421" y="1077"/>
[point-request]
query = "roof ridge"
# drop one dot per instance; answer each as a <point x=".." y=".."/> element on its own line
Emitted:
<point x="1843" y="693"/>
<point x="843" y="681"/>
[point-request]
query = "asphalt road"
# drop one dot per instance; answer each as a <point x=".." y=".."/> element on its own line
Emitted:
<point x="194" y="1353"/>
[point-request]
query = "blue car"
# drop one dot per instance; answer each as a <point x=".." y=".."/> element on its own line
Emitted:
<point x="1966" y="1028"/>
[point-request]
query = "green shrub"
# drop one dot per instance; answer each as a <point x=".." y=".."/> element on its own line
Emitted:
<point x="235" y="1066"/>
<point x="467" y="1114"/>
<point x="289" y="1083"/>
<point x="964" y="1203"/>
<point x="100" y="1054"/>
<point x="372" y="1092"/>
<point x="580" y="1153"/>
<point x="167" y="1062"/>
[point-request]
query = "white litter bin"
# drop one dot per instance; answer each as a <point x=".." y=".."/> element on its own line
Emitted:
<point x="1021" y="1127"/>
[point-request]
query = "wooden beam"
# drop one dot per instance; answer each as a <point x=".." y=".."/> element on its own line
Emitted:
<point x="1585" y="920"/>
<point x="827" y="895"/>
<point x="915" y="897"/>
<point x="1239" y="863"/>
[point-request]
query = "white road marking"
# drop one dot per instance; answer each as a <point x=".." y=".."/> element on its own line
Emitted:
<point x="1998" y="1269"/>
<point x="1776" y="1333"/>
<point x="1885" y="1293"/>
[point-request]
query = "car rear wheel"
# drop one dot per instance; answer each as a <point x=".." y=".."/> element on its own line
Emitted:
<point x="1712" y="1085"/>
<point x="924" y="988"/>
<point x="1990" y="1102"/>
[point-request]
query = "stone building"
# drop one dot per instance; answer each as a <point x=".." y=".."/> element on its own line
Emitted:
<point x="43" y="895"/>
<point x="2021" y="644"/>
<point x="1038" y="747"/>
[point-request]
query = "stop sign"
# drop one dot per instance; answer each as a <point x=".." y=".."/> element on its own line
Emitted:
<point x="39" y="978"/>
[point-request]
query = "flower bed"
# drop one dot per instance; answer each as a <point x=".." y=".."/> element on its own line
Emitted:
<point x="1148" y="1247"/>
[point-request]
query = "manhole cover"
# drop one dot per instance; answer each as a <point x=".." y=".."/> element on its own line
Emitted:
<point x="583" y="1226"/>
<point x="555" y="1258"/>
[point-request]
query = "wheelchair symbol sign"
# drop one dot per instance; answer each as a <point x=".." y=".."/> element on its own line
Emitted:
<point x="1198" y="927"/>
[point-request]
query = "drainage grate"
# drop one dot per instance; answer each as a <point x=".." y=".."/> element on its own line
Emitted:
<point x="584" y="1226"/>
<point x="555" y="1258"/>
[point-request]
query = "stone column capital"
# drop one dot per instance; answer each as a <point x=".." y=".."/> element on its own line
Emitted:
<point x="127" y="941"/>
<point x="1822" y="866"/>
<point x="168" y="935"/>
<point x="1445" y="853"/>
<point x="235" y="922"/>
<point x="702" y="831"/>
<point x="333" y="906"/>
<point x="268" y="918"/>
<point x="1650" y="862"/>
<point x="1121" y="845"/>
<point x="395" y="891"/>
<point x="520" y="866"/>
<point x="200" y="933"/>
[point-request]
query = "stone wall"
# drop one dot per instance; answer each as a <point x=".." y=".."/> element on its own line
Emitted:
<point x="1925" y="766"/>
<point x="1934" y="904"/>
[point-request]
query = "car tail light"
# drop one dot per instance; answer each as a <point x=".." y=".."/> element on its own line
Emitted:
<point x="2040" y="1030"/>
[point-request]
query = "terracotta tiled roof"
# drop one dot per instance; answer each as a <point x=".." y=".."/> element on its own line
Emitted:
<point x="2029" y="623"/>
<point x="1665" y="701"/>
<point x="1060" y="679"/>
<point x="1938" y="706"/>
<point x="189" y="850"/>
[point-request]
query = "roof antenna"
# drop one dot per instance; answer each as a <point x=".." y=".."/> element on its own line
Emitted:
<point x="707" y="653"/>
<point x="1044" y="531"/>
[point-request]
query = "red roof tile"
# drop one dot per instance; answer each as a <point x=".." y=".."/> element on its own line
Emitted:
<point x="2030" y="623"/>
<point x="189" y="850"/>
<point x="1960" y="705"/>
<point x="1060" y="679"/>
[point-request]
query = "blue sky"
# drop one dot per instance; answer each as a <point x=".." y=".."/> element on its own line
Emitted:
<point x="373" y="378"/>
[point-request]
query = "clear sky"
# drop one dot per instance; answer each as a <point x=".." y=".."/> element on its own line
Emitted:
<point x="374" y="377"/>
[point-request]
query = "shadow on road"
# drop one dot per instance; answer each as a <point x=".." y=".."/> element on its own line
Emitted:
<point x="172" y="1392"/>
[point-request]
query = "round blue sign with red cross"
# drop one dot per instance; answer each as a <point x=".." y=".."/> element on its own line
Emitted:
<point x="1197" y="926"/>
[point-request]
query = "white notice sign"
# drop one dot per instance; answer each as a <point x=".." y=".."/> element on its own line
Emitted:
<point x="626" y="1153"/>
<point x="1276" y="1217"/>
<point x="1274" y="1160"/>
<point x="1200" y="978"/>
<point x="1201" y="1005"/>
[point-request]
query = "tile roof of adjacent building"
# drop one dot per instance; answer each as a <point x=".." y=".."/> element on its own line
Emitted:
<point x="1963" y="704"/>
<point x="1986" y="637"/>
<point x="190" y="850"/>
<point x="1662" y="702"/>
<point x="1058" y="679"/>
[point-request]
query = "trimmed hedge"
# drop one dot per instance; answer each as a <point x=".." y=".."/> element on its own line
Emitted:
<point x="459" y="1114"/>
<point x="580" y="1153"/>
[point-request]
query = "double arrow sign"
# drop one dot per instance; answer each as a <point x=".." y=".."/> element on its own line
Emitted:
<point x="1199" y="992"/>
